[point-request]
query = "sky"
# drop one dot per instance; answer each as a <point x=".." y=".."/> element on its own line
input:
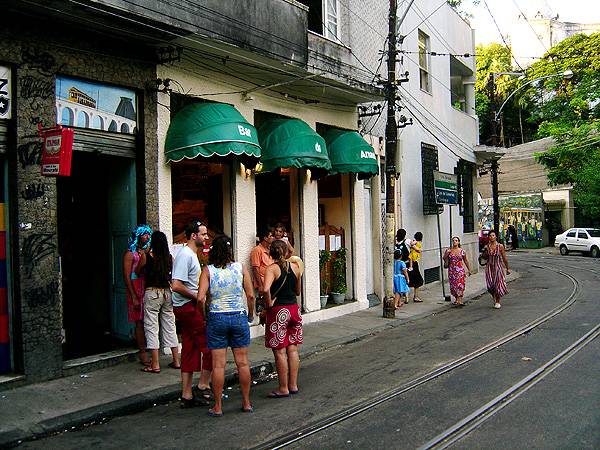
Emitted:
<point x="505" y="11"/>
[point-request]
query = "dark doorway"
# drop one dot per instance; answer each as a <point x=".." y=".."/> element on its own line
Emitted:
<point x="273" y="200"/>
<point x="87" y="208"/>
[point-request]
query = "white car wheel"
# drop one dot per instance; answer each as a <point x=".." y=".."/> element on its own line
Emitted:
<point x="564" y="250"/>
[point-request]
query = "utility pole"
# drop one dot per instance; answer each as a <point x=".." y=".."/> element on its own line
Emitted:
<point x="391" y="144"/>
<point x="391" y="147"/>
<point x="494" y="161"/>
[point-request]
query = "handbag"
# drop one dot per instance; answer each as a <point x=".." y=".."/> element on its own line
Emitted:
<point x="484" y="256"/>
<point x="446" y="262"/>
<point x="262" y="315"/>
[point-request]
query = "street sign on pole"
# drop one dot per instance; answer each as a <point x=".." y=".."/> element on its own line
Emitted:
<point x="446" y="189"/>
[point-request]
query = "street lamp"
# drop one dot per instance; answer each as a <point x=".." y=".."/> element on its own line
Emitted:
<point x="567" y="74"/>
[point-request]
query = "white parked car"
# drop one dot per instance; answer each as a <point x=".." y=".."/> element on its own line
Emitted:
<point x="586" y="240"/>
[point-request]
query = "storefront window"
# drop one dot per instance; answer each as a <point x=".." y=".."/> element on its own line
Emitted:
<point x="201" y="189"/>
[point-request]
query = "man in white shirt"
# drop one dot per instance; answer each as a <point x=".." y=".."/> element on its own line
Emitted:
<point x="195" y="355"/>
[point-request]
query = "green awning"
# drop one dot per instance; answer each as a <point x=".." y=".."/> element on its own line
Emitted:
<point x="292" y="143"/>
<point x="211" y="129"/>
<point x="350" y="153"/>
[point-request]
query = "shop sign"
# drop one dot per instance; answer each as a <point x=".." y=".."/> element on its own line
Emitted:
<point x="445" y="185"/>
<point x="57" y="151"/>
<point x="5" y="106"/>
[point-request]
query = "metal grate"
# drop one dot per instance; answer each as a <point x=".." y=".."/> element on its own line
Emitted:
<point x="429" y="163"/>
<point x="432" y="274"/>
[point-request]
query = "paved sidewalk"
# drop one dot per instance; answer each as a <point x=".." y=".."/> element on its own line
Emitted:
<point x="38" y="409"/>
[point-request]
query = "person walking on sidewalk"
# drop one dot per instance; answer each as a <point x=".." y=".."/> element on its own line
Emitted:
<point x="454" y="258"/>
<point x="401" y="288"/>
<point x="195" y="356"/>
<point x="416" y="279"/>
<point x="283" y="330"/>
<point x="139" y="242"/>
<point x="227" y="325"/>
<point x="495" y="278"/>
<point x="158" y="305"/>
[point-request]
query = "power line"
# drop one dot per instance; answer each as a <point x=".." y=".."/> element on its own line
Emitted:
<point x="425" y="19"/>
<point x="502" y="36"/>
<point x="206" y="44"/>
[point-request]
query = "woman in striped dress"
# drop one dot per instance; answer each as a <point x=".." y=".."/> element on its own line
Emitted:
<point x="494" y="270"/>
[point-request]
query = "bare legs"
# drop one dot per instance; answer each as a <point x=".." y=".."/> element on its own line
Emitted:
<point x="287" y="362"/>
<point x="140" y="339"/>
<point x="155" y="364"/>
<point x="219" y="357"/>
<point x="416" y="298"/>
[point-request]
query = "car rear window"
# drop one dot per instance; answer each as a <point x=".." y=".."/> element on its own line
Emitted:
<point x="594" y="233"/>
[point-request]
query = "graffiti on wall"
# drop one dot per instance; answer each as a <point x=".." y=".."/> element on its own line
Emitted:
<point x="34" y="87"/>
<point x="30" y="153"/>
<point x="33" y="191"/>
<point x="42" y="295"/>
<point x="35" y="248"/>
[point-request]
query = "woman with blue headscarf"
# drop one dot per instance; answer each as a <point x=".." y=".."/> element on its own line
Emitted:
<point x="139" y="243"/>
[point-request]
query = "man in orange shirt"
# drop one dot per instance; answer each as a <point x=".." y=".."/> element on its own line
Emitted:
<point x="260" y="260"/>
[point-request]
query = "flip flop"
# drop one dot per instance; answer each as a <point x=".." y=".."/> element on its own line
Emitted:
<point x="275" y="394"/>
<point x="211" y="413"/>
<point x="247" y="410"/>
<point x="149" y="369"/>
<point x="292" y="392"/>
<point x="173" y="366"/>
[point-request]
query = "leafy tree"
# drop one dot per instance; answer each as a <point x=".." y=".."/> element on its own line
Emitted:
<point x="513" y="127"/>
<point x="568" y="110"/>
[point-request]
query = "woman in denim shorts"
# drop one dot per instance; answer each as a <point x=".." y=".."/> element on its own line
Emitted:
<point x="227" y="323"/>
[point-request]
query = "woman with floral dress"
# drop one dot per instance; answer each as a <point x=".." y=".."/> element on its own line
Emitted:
<point x="454" y="258"/>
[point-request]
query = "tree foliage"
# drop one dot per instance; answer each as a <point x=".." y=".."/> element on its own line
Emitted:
<point x="513" y="127"/>
<point x="568" y="110"/>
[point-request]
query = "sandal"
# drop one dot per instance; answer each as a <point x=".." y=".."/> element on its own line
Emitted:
<point x="417" y="300"/>
<point x="192" y="402"/>
<point x="211" y="413"/>
<point x="249" y="410"/>
<point x="205" y="393"/>
<point x="173" y="366"/>
<point x="149" y="369"/>
<point x="275" y="394"/>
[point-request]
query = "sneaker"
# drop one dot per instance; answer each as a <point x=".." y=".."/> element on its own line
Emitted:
<point x="497" y="305"/>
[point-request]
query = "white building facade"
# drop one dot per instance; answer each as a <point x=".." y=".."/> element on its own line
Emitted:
<point x="537" y="29"/>
<point x="439" y="99"/>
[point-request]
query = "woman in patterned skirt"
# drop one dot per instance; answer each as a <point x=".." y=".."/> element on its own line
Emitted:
<point x="454" y="258"/>
<point x="494" y="270"/>
<point x="283" y="330"/>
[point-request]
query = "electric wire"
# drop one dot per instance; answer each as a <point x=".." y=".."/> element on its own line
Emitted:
<point x="207" y="44"/>
<point x="502" y="36"/>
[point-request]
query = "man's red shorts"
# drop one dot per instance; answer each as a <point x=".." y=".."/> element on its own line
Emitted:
<point x="195" y="355"/>
<point x="283" y="327"/>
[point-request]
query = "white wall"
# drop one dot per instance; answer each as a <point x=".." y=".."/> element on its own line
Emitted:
<point x="448" y="33"/>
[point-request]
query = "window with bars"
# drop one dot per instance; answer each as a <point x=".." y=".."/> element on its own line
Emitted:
<point x="429" y="163"/>
<point x="424" y="61"/>
<point x="465" y="171"/>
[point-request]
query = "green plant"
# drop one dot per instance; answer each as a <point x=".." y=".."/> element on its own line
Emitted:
<point x="324" y="258"/>
<point x="338" y="269"/>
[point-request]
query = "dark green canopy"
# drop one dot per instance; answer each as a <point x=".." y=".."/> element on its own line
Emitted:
<point x="350" y="153"/>
<point x="292" y="143"/>
<point x="210" y="129"/>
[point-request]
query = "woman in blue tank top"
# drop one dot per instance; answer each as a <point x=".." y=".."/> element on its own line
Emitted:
<point x="227" y="321"/>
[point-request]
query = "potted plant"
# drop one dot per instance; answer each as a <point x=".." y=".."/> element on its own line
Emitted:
<point x="338" y="275"/>
<point x="324" y="258"/>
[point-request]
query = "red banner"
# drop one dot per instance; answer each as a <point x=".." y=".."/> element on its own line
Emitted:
<point x="57" y="151"/>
